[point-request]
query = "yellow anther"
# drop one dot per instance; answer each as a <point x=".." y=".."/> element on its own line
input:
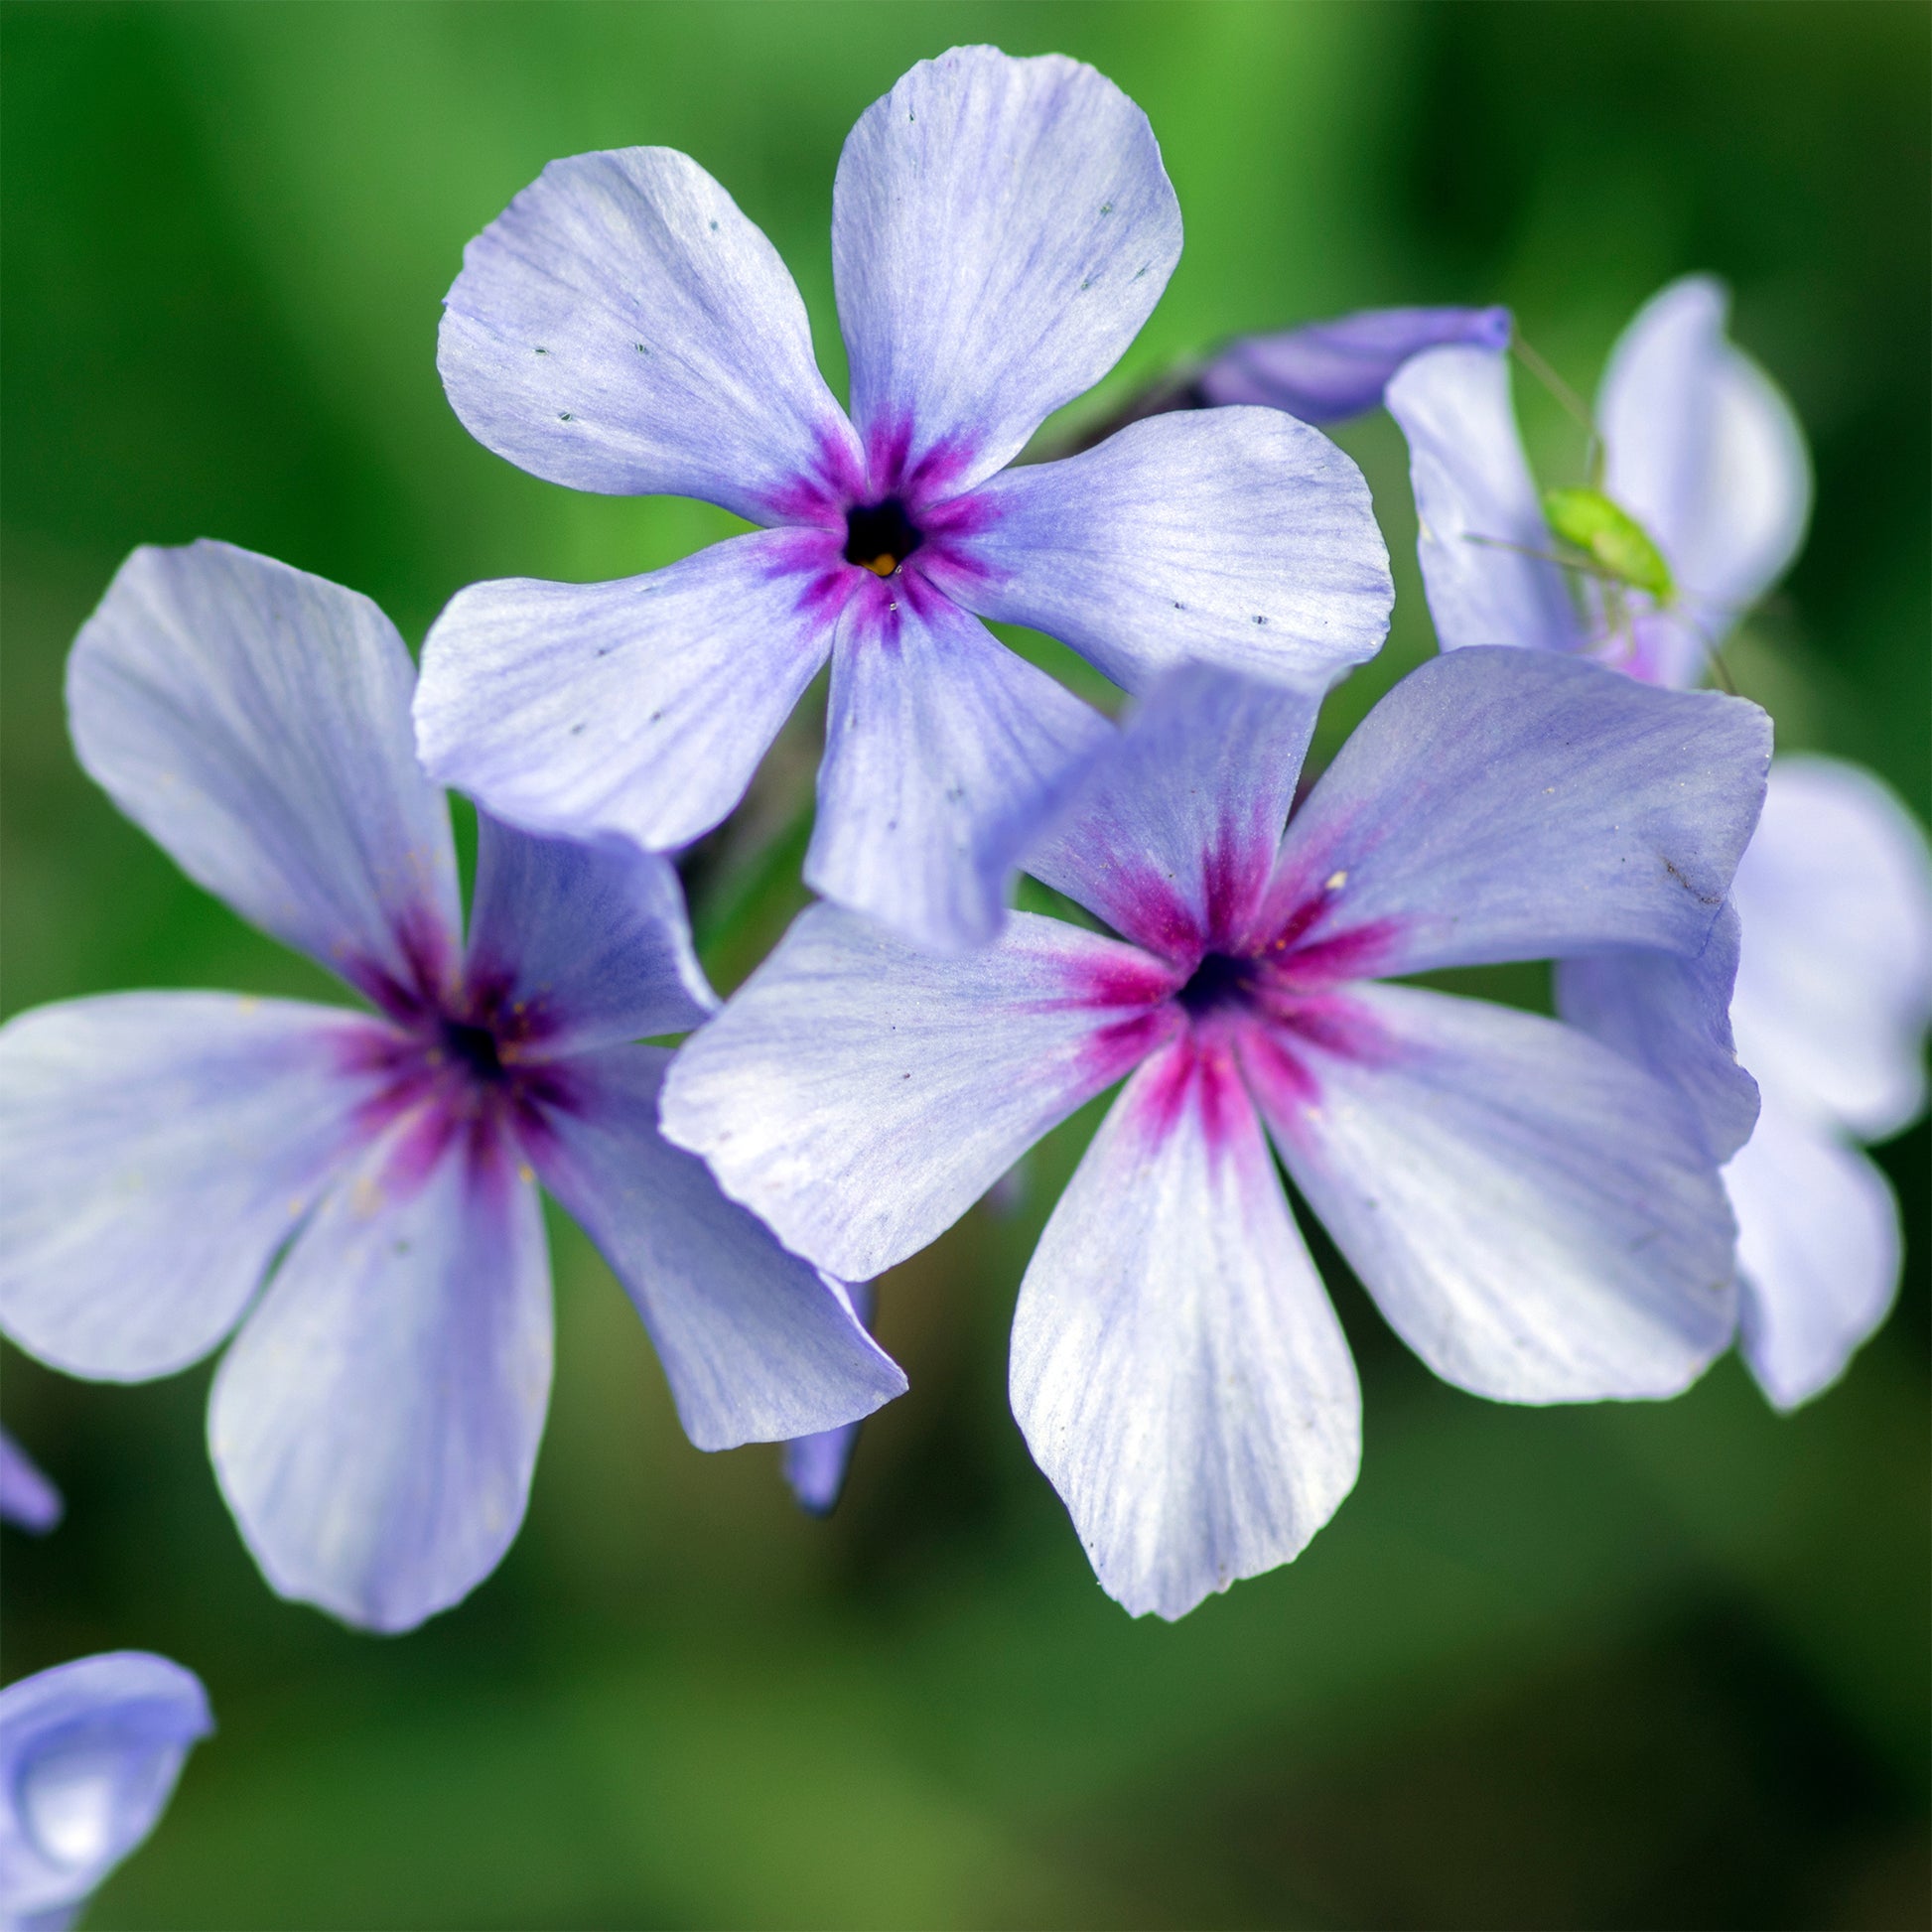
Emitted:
<point x="883" y="565"/>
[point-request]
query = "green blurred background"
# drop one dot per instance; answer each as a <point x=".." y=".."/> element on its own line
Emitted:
<point x="1616" y="1666"/>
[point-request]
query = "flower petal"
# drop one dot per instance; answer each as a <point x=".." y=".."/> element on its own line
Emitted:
<point x="254" y="722"/>
<point x="90" y="1754"/>
<point x="636" y="709"/>
<point x="1671" y="1015"/>
<point x="1819" y="1252"/>
<point x="27" y="1499"/>
<point x="1835" y="987"/>
<point x="1171" y="834"/>
<point x="1482" y="541"/>
<point x="756" y="1345"/>
<point x="944" y="752"/>
<point x="1506" y="804"/>
<point x="1326" y="371"/>
<point x="588" y="944"/>
<point x="1703" y="449"/>
<point x="860" y="1094"/>
<point x="159" y="1149"/>
<point x="1001" y="229"/>
<point x="376" y="1422"/>
<point x="1534" y="1216"/>
<point x="1237" y="537"/>
<point x="1178" y="1371"/>
<point x="815" y="1465"/>
<point x="621" y="327"/>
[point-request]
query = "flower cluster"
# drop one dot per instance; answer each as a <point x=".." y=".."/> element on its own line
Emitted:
<point x="1580" y="1206"/>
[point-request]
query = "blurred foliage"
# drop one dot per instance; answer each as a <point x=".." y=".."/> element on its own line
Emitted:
<point x="1643" y="1665"/>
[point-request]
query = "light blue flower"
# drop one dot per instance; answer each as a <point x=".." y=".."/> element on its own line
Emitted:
<point x="1833" y="1001"/>
<point x="89" y="1754"/>
<point x="1834" y="985"/>
<point x="1699" y="447"/>
<point x="1536" y="1216"/>
<point x="1001" y="229"/>
<point x="27" y="1499"/>
<point x="375" y="1424"/>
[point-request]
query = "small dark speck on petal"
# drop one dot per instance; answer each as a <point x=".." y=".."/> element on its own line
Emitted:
<point x="1088" y="283"/>
<point x="1260" y="620"/>
<point x="905" y="1076"/>
<point x="1141" y="270"/>
<point x="541" y="350"/>
<point x="641" y="349"/>
<point x="1106" y="208"/>
<point x="577" y="731"/>
<point x="654" y="716"/>
<point x="1179" y="605"/>
<point x="563" y="415"/>
<point x="714" y="228"/>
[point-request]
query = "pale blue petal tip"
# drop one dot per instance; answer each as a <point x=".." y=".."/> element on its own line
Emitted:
<point x="815" y="1467"/>
<point x="27" y="1499"/>
<point x="90" y="1754"/>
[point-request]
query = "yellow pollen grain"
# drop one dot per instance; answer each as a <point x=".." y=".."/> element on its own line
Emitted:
<point x="1335" y="882"/>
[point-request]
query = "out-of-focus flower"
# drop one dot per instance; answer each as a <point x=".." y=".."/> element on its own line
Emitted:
<point x="1700" y="452"/>
<point x="1326" y="371"/>
<point x="89" y="1754"/>
<point x="1001" y="229"/>
<point x="27" y="1499"/>
<point x="1704" y="467"/>
<point x="1834" y="998"/>
<point x="375" y="1424"/>
<point x="1535" y="1216"/>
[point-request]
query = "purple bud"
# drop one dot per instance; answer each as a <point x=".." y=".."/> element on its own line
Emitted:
<point x="1329" y="370"/>
<point x="26" y="1498"/>
<point x="815" y="1465"/>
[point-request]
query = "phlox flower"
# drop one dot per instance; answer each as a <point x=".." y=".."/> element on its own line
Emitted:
<point x="1001" y="229"/>
<point x="1833" y="1001"/>
<point x="1834" y="985"/>
<point x="90" y="1755"/>
<point x="1699" y="447"/>
<point x="375" y="1424"/>
<point x="27" y="1499"/>
<point x="1533" y="1214"/>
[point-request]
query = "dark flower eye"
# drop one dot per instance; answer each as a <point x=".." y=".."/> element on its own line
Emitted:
<point x="881" y="536"/>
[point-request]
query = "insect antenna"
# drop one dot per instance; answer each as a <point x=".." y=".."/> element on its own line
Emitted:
<point x="1572" y="403"/>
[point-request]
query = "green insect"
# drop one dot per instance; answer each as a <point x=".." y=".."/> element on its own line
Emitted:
<point x="1618" y="547"/>
<point x="1596" y="538"/>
